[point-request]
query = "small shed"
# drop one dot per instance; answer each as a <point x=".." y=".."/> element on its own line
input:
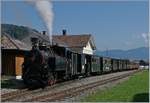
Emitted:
<point x="13" y="53"/>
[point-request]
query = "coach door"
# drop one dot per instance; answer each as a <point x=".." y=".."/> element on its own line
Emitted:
<point x="88" y="64"/>
<point x="79" y="63"/>
<point x="74" y="64"/>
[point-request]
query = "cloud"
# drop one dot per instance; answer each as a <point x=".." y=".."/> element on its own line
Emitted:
<point x="145" y="37"/>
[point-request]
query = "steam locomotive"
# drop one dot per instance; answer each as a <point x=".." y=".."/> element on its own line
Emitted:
<point x="45" y="65"/>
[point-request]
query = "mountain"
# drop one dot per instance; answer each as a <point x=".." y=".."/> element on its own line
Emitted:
<point x="17" y="32"/>
<point x="137" y="53"/>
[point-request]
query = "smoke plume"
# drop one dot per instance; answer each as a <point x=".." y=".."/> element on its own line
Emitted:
<point x="44" y="7"/>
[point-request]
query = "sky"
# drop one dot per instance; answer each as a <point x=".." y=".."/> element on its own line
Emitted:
<point x="113" y="24"/>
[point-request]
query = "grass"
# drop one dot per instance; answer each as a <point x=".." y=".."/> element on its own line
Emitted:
<point x="10" y="82"/>
<point x="135" y="89"/>
<point x="7" y="83"/>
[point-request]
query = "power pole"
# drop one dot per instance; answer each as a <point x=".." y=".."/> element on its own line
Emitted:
<point x="106" y="51"/>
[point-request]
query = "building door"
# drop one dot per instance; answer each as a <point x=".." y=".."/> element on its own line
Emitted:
<point x="18" y="69"/>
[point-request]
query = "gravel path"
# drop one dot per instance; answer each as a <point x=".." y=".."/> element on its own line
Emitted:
<point x="7" y="90"/>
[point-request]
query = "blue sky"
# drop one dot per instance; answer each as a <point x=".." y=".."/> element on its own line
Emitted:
<point x="114" y="25"/>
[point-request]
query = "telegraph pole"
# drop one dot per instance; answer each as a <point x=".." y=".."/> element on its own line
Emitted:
<point x="106" y="51"/>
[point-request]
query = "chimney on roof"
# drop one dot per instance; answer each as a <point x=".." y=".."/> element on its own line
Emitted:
<point x="64" y="32"/>
<point x="44" y="32"/>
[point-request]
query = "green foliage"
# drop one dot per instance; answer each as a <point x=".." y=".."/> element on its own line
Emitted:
<point x="7" y="83"/>
<point x="136" y="89"/>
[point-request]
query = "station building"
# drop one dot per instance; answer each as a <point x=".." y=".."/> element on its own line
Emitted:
<point x="78" y="43"/>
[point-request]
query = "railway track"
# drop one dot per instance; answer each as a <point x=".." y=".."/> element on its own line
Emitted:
<point x="53" y="96"/>
<point x="23" y="92"/>
<point x="14" y="94"/>
<point x="50" y="97"/>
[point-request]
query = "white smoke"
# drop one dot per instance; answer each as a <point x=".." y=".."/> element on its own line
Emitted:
<point x="44" y="7"/>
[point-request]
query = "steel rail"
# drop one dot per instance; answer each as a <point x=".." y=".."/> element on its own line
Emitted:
<point x="22" y="92"/>
<point x="75" y="90"/>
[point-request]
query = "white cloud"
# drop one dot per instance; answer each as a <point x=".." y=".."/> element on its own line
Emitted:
<point x="146" y="37"/>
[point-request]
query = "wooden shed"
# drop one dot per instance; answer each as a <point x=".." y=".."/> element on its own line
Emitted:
<point x="12" y="61"/>
<point x="13" y="53"/>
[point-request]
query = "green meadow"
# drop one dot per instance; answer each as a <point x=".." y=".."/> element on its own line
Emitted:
<point x="135" y="89"/>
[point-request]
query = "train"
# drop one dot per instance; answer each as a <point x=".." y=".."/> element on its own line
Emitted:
<point x="45" y="65"/>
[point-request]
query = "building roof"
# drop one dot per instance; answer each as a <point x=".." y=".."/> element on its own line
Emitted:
<point x="69" y="41"/>
<point x="73" y="41"/>
<point x="40" y="36"/>
<point x="9" y="43"/>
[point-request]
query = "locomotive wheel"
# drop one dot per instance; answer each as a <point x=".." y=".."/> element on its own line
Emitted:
<point x="52" y="79"/>
<point x="50" y="82"/>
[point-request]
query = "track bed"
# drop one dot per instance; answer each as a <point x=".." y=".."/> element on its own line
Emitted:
<point x="60" y="91"/>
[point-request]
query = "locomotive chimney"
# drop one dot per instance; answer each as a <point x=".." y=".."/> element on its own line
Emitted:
<point x="64" y="32"/>
<point x="34" y="41"/>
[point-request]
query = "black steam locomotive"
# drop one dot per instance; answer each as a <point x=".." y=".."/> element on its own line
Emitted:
<point x="42" y="65"/>
<point x="45" y="65"/>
